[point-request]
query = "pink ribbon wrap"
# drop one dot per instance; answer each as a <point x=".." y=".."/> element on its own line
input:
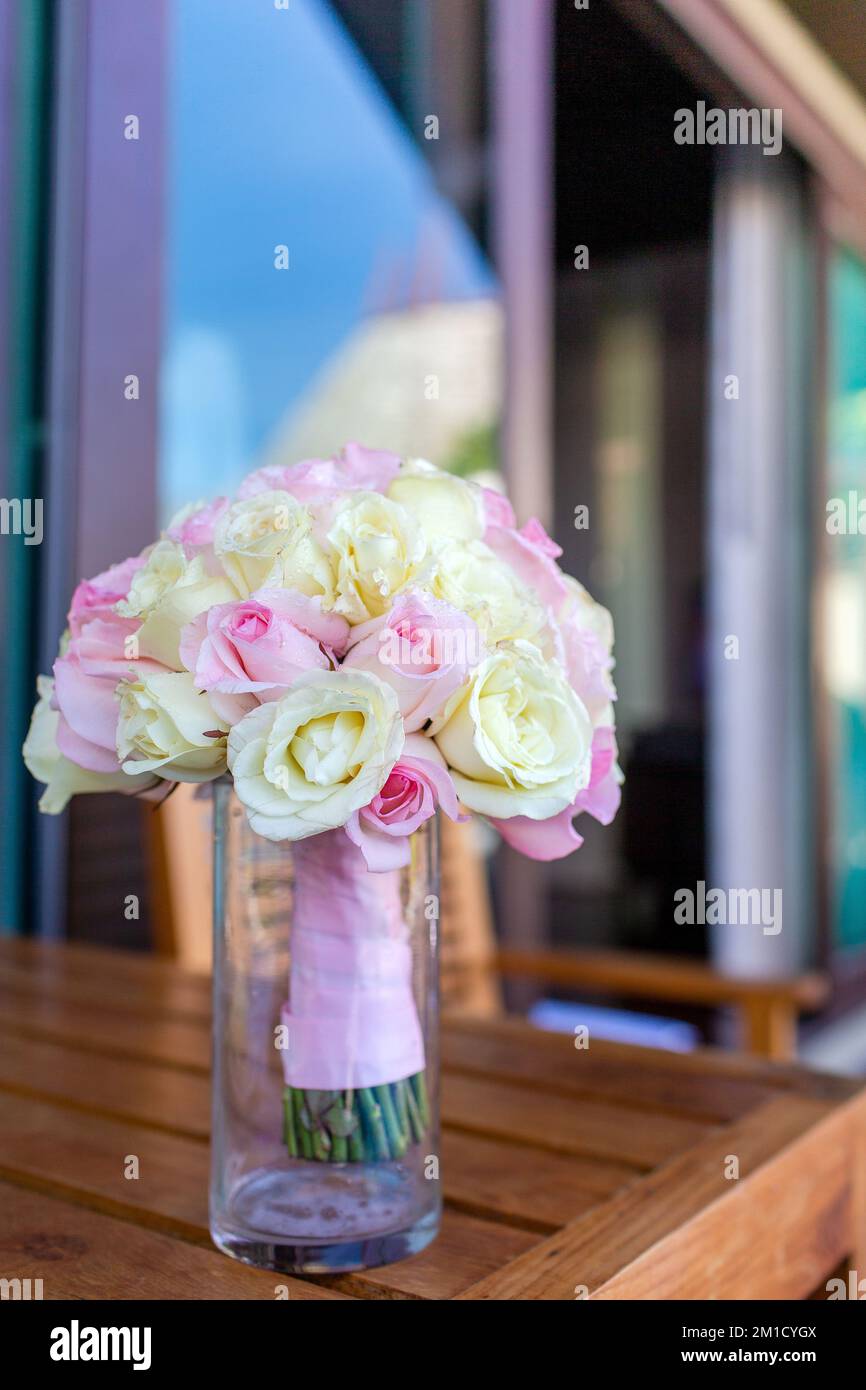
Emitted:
<point x="351" y="1017"/>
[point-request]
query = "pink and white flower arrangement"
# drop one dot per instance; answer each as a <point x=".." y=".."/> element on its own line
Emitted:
<point x="357" y="642"/>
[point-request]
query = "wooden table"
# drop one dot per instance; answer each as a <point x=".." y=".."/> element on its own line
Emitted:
<point x="603" y="1172"/>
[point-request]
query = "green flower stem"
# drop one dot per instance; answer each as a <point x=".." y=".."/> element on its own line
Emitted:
<point x="398" y="1089"/>
<point x="396" y="1142"/>
<point x="415" y="1120"/>
<point x="304" y="1137"/>
<point x="419" y="1086"/>
<point x="388" y="1119"/>
<point x="357" y="1151"/>
<point x="289" y="1133"/>
<point x="321" y="1142"/>
<point x="373" y="1124"/>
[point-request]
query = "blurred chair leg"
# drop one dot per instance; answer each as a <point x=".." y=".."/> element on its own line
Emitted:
<point x="770" y="1027"/>
<point x="858" y="1207"/>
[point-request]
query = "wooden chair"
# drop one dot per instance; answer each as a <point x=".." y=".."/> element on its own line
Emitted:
<point x="182" y="899"/>
<point x="473" y="965"/>
<point x="180" y="831"/>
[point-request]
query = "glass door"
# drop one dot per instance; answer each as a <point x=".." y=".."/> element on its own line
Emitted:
<point x="843" y="656"/>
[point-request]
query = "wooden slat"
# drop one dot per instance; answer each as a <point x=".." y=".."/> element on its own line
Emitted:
<point x="554" y="1123"/>
<point x="551" y="1061"/>
<point x="66" y="1152"/>
<point x="690" y="1232"/>
<point x="703" y="1062"/>
<point x="446" y="1267"/>
<point x="541" y="1191"/>
<point x="647" y="976"/>
<point x="133" y="977"/>
<point x="78" y="956"/>
<point x="138" y="997"/>
<point x="78" y="1253"/>
<point x="108" y="1030"/>
<point x="142" y="1092"/>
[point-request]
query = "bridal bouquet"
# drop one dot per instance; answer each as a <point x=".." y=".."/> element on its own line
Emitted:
<point x="358" y="642"/>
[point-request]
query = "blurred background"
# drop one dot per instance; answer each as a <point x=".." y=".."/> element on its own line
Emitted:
<point x="496" y="256"/>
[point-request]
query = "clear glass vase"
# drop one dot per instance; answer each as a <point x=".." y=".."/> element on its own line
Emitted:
<point x="325" y="1134"/>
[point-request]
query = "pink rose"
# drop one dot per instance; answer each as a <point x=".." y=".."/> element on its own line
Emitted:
<point x="532" y="555"/>
<point x="315" y="480"/>
<point x="195" y="532"/>
<point x="557" y="837"/>
<point x="86" y="678"/>
<point x="586" y="634"/>
<point x="602" y="797"/>
<point x="498" y="511"/>
<point x="423" y="648"/>
<point x="588" y="666"/>
<point x="247" y="652"/>
<point x="95" y="598"/>
<point x="418" y="782"/>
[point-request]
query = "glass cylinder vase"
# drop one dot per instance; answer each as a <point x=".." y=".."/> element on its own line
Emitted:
<point x="324" y="1149"/>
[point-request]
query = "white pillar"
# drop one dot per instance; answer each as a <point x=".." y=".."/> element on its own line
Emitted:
<point x="523" y="243"/>
<point x="759" y="409"/>
<point x="522" y="103"/>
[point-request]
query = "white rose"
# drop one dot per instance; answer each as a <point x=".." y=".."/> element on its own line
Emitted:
<point x="582" y="609"/>
<point x="267" y="541"/>
<point x="305" y="763"/>
<point x="377" y="547"/>
<point x="471" y="577"/>
<point x="168" y="727"/>
<point x="517" y="739"/>
<point x="183" y="514"/>
<point x="194" y="590"/>
<point x="47" y="764"/>
<point x="164" y="566"/>
<point x="448" y="508"/>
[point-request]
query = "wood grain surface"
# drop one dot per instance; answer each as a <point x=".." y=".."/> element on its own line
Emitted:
<point x="603" y="1173"/>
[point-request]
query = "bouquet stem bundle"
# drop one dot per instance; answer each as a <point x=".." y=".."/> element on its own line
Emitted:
<point x="374" y="1123"/>
<point x="351" y="1014"/>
